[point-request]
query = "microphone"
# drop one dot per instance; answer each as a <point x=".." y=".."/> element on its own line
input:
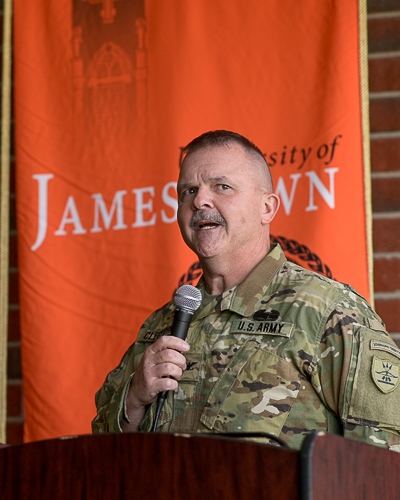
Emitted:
<point x="187" y="300"/>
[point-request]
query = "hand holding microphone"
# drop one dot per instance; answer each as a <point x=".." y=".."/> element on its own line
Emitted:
<point x="187" y="300"/>
<point x="162" y="362"/>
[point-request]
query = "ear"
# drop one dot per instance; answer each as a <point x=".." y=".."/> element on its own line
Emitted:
<point x="271" y="202"/>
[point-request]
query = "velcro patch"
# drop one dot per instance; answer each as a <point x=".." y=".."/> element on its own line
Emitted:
<point x="383" y="346"/>
<point x="385" y="374"/>
<point x="262" y="327"/>
<point x="150" y="336"/>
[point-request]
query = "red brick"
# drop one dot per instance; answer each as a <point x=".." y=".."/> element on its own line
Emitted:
<point x="385" y="195"/>
<point x="384" y="34"/>
<point x="13" y="288"/>
<point x="382" y="5"/>
<point x="12" y="175"/>
<point x="384" y="114"/>
<point x="384" y="74"/>
<point x="13" y="260"/>
<point x="15" y="432"/>
<point x="14" y="362"/>
<point x="13" y="214"/>
<point x="387" y="274"/>
<point x="12" y="139"/>
<point x="385" y="154"/>
<point x="388" y="310"/>
<point x="12" y="172"/>
<point x="386" y="234"/>
<point x="14" y="333"/>
<point x="14" y="400"/>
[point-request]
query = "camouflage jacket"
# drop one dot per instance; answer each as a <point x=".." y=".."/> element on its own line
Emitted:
<point x="285" y="352"/>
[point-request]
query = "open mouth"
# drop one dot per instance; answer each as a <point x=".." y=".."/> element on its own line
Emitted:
<point x="207" y="225"/>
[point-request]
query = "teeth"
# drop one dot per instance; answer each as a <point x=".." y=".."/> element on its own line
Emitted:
<point x="210" y="225"/>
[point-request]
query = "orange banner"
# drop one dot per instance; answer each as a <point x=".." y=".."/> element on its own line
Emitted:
<point x="106" y="94"/>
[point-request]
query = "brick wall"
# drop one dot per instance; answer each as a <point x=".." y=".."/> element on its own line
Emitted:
<point x="384" y="82"/>
<point x="15" y="412"/>
<point x="14" y="387"/>
<point x="384" y="67"/>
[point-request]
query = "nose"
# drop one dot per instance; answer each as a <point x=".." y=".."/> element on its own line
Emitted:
<point x="203" y="199"/>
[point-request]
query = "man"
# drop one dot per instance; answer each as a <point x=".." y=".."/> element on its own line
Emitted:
<point x="274" y="347"/>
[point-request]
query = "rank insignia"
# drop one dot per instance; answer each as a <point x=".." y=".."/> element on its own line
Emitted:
<point x="385" y="374"/>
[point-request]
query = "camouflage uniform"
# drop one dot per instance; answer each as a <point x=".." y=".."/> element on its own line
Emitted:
<point x="285" y="352"/>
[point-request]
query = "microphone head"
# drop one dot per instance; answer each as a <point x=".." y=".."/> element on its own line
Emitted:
<point x="187" y="297"/>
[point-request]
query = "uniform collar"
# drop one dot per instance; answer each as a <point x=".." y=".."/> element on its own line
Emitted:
<point x="244" y="298"/>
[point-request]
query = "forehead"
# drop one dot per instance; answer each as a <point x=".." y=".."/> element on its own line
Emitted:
<point x="218" y="161"/>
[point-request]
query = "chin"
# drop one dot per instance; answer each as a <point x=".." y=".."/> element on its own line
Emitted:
<point x="206" y="249"/>
<point x="206" y="253"/>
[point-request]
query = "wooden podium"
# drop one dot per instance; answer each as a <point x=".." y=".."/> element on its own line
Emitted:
<point x="186" y="467"/>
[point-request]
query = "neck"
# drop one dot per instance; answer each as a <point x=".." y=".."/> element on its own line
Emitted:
<point x="221" y="275"/>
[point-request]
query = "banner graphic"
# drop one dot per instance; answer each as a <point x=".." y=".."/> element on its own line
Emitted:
<point x="107" y="92"/>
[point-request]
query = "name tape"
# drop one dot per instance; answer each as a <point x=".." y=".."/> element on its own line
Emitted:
<point x="262" y="327"/>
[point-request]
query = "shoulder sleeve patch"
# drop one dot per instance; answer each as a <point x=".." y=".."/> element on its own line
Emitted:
<point x="385" y="374"/>
<point x="372" y="391"/>
<point x="384" y="346"/>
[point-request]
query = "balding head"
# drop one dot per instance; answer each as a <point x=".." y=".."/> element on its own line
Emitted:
<point x="225" y="138"/>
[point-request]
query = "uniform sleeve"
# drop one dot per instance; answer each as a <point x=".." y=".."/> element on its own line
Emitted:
<point x="357" y="373"/>
<point x="110" y="398"/>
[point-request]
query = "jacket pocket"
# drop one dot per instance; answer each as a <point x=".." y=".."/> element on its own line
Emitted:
<point x="254" y="393"/>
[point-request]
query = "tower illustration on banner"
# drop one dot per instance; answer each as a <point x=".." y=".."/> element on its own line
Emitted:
<point x="108" y="12"/>
<point x="109" y="74"/>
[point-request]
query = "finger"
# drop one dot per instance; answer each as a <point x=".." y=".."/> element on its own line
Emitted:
<point x="146" y="394"/>
<point x="167" y="370"/>
<point x="170" y="356"/>
<point x="147" y="383"/>
<point x="151" y="359"/>
<point x="169" y="342"/>
<point x="163" y="377"/>
<point x="164" y="384"/>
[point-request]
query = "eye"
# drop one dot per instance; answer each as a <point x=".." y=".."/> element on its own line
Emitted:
<point x="223" y="187"/>
<point x="188" y="192"/>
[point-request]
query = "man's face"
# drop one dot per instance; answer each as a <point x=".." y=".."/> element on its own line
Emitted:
<point x="221" y="204"/>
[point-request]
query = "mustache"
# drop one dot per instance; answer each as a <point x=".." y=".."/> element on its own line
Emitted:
<point x="202" y="215"/>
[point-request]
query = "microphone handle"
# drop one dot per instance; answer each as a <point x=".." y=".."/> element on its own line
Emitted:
<point x="180" y="327"/>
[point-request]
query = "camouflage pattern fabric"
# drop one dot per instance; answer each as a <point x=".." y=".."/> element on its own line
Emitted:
<point x="286" y="352"/>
